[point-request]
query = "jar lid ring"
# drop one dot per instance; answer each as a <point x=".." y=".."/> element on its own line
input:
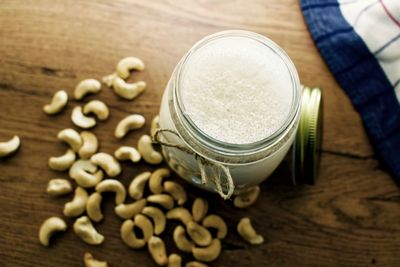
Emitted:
<point x="307" y="145"/>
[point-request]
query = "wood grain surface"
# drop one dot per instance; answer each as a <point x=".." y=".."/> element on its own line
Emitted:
<point x="350" y="218"/>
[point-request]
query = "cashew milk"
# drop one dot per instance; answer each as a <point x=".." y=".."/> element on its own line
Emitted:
<point x="230" y="111"/>
<point x="236" y="90"/>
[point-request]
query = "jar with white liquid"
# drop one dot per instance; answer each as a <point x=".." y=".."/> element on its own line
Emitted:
<point x="231" y="112"/>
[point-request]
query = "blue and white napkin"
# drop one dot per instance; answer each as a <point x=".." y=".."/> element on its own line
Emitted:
<point x="360" y="42"/>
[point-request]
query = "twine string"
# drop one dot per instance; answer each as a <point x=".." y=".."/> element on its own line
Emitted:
<point x="215" y="167"/>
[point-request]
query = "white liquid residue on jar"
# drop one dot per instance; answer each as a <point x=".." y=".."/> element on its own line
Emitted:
<point x="236" y="90"/>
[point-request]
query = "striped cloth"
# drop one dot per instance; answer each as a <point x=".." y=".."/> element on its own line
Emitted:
<point x="360" y="42"/>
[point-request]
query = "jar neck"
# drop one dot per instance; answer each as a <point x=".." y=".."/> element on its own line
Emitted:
<point x="228" y="153"/>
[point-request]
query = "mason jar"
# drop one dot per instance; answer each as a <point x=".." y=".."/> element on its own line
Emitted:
<point x="224" y="166"/>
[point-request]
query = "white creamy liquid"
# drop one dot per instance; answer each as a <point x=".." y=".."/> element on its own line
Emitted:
<point x="236" y="90"/>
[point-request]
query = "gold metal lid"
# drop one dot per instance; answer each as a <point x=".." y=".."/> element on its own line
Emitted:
<point x="306" y="148"/>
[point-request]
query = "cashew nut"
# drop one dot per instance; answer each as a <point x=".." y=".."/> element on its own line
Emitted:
<point x="209" y="253"/>
<point x="181" y="241"/>
<point x="93" y="207"/>
<point x="128" y="236"/>
<point x="181" y="214"/>
<point x="85" y="173"/>
<point x="127" y="64"/>
<point x="127" y="152"/>
<point x="58" y="187"/>
<point x="127" y="211"/>
<point x="183" y="171"/>
<point x="128" y="90"/>
<point x="131" y="122"/>
<point x="6" y="148"/>
<point x="157" y="250"/>
<point x="200" y="235"/>
<point x="174" y="260"/>
<point x="172" y="162"/>
<point x="72" y="138"/>
<point x="248" y="198"/>
<point x="85" y="87"/>
<point x="162" y="199"/>
<point x="108" y="79"/>
<point x="156" y="179"/>
<point x="107" y="162"/>
<point x="98" y="108"/>
<point x="80" y="120"/>
<point x="63" y="162"/>
<point x="195" y="264"/>
<point x="90" y="261"/>
<point x="115" y="186"/>
<point x="58" y="102"/>
<point x="136" y="187"/>
<point x="215" y="221"/>
<point x="176" y="191"/>
<point x="77" y="205"/>
<point x="199" y="209"/>
<point x="154" y="125"/>
<point x="147" y="151"/>
<point x="246" y="230"/>
<point x="158" y="218"/>
<point x="49" y="227"/>
<point x="145" y="225"/>
<point x="89" y="146"/>
<point x="82" y="164"/>
<point x="84" y="228"/>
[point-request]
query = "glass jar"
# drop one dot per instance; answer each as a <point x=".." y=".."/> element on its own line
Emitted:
<point x="212" y="164"/>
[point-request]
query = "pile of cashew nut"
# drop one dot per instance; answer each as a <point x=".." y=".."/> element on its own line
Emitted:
<point x="150" y="202"/>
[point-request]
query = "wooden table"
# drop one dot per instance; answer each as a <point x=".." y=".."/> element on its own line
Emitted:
<point x="350" y="218"/>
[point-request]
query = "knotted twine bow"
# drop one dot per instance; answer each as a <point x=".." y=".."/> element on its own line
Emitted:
<point x="203" y="163"/>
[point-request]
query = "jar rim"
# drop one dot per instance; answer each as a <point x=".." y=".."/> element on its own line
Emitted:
<point x="205" y="142"/>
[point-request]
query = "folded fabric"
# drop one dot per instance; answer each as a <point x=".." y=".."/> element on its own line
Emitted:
<point x="360" y="42"/>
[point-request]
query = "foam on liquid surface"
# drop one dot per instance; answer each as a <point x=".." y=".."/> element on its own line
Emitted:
<point x="236" y="90"/>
